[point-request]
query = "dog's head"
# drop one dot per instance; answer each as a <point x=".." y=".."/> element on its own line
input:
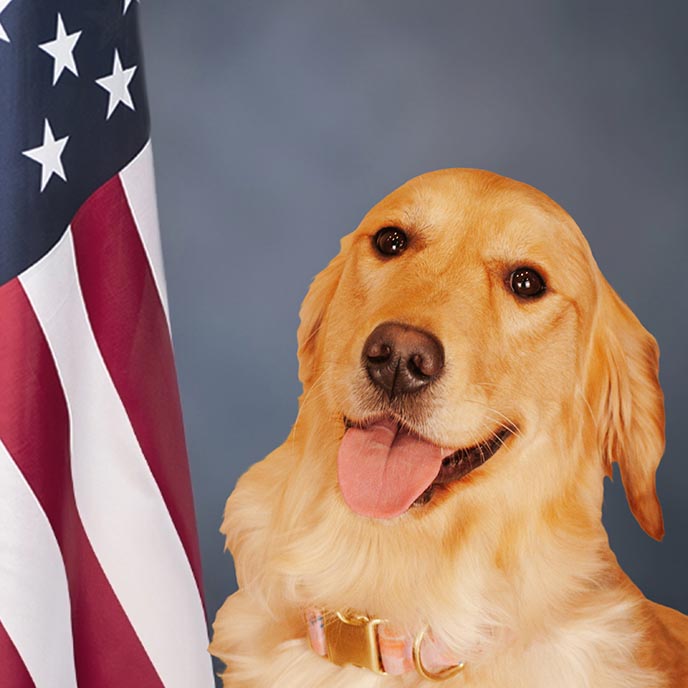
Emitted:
<point x="467" y="351"/>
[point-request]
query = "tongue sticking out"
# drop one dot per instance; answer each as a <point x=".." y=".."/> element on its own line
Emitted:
<point x="383" y="469"/>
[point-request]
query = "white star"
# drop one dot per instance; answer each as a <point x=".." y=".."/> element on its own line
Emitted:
<point x="125" y="7"/>
<point x="117" y="84"/>
<point x="48" y="155"/>
<point x="3" y="33"/>
<point x="62" y="50"/>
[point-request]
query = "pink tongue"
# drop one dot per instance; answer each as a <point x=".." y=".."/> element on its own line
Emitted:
<point x="381" y="471"/>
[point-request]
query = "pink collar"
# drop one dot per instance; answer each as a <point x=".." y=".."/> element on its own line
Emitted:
<point x="374" y="644"/>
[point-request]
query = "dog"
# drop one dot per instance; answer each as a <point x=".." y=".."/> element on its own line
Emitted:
<point x="434" y="516"/>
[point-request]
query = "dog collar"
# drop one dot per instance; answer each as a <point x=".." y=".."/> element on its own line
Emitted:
<point x="374" y="644"/>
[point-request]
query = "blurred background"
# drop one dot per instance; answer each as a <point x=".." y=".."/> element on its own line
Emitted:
<point x="276" y="126"/>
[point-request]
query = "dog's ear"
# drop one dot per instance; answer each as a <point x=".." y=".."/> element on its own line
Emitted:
<point x="312" y="313"/>
<point x="629" y="405"/>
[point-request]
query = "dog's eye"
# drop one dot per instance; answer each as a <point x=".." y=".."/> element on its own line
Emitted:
<point x="391" y="241"/>
<point x="526" y="282"/>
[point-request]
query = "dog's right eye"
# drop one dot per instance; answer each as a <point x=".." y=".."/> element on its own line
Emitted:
<point x="390" y="241"/>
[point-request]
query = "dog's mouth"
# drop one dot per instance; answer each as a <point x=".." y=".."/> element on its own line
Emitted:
<point x="384" y="468"/>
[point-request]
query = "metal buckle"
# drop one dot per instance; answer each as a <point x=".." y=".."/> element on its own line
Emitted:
<point x="354" y="641"/>
<point x="420" y="668"/>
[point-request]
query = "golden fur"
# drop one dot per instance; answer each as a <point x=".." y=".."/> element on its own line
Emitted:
<point x="510" y="566"/>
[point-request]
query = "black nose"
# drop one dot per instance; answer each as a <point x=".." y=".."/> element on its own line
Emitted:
<point x="401" y="358"/>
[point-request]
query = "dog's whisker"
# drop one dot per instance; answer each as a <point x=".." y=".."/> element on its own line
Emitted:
<point x="507" y="423"/>
<point x="487" y="384"/>
<point x="492" y="434"/>
<point x="482" y="454"/>
<point x="511" y="429"/>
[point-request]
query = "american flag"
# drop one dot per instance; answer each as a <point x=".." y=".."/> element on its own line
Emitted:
<point x="100" y="580"/>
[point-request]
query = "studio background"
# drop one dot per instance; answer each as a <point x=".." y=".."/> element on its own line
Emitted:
<point x="276" y="126"/>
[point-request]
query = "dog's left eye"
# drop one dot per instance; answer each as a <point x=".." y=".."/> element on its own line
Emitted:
<point x="526" y="282"/>
<point x="390" y="241"/>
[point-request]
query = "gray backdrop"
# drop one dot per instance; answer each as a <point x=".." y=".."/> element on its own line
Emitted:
<point x="277" y="125"/>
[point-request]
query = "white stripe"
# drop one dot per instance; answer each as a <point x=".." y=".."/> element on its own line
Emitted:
<point x="34" y="598"/>
<point x="120" y="504"/>
<point x="138" y="181"/>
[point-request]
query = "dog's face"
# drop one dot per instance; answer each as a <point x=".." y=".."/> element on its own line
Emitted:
<point x="467" y="351"/>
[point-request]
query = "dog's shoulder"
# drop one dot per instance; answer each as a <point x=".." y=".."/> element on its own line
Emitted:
<point x="666" y="644"/>
<point x="675" y="622"/>
<point x="249" y="509"/>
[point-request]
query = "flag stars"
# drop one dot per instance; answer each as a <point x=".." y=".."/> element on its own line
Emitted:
<point x="3" y="33"/>
<point x="125" y="5"/>
<point x="49" y="155"/>
<point x="62" y="50"/>
<point x="117" y="85"/>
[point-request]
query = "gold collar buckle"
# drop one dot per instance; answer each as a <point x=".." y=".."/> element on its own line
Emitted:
<point x="353" y="640"/>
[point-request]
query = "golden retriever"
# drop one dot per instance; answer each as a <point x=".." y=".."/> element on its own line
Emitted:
<point x="469" y="377"/>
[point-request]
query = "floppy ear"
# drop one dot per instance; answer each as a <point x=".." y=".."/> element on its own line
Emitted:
<point x="312" y="313"/>
<point x="629" y="405"/>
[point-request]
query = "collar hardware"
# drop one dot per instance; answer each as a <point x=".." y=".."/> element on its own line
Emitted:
<point x="450" y="671"/>
<point x="359" y="640"/>
<point x="353" y="640"/>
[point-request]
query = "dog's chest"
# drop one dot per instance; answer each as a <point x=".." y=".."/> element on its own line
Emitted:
<point x="296" y="665"/>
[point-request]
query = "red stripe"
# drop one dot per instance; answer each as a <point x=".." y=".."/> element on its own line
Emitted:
<point x="13" y="673"/>
<point x="34" y="425"/>
<point x="131" y="330"/>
